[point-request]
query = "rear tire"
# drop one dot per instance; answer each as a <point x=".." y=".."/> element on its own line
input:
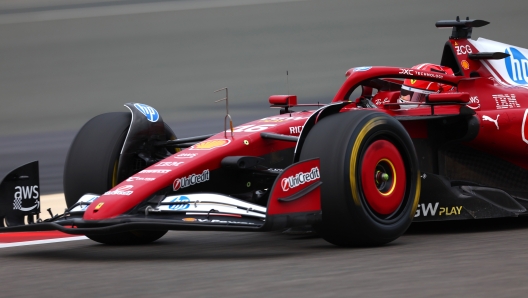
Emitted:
<point x="371" y="181"/>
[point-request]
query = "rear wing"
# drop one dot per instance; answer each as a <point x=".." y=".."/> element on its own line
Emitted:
<point x="461" y="28"/>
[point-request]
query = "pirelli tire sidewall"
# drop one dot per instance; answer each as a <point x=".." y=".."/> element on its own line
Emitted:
<point x="383" y="228"/>
<point x="340" y="141"/>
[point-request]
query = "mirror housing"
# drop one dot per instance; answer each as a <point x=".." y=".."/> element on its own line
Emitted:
<point x="283" y="100"/>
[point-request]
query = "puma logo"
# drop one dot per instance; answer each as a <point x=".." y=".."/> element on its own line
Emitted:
<point x="488" y="118"/>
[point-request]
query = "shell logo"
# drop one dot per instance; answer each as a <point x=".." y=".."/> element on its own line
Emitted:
<point x="210" y="144"/>
<point x="465" y="64"/>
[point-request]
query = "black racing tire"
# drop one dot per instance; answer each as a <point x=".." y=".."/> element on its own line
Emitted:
<point x="128" y="237"/>
<point x="370" y="175"/>
<point x="91" y="163"/>
<point x="91" y="167"/>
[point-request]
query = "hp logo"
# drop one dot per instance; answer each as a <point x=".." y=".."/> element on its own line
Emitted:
<point x="149" y="112"/>
<point x="181" y="199"/>
<point x="517" y="66"/>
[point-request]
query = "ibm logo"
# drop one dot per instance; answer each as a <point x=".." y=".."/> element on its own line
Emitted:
<point x="517" y="66"/>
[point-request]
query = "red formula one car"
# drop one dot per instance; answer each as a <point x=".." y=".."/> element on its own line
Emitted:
<point x="357" y="170"/>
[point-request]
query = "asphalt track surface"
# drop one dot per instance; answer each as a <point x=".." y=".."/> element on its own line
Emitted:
<point x="63" y="63"/>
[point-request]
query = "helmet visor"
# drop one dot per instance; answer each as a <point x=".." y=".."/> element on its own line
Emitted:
<point x="412" y="95"/>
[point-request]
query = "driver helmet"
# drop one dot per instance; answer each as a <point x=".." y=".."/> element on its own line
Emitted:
<point x="415" y="90"/>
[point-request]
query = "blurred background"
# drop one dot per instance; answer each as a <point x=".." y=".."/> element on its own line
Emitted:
<point x="63" y="62"/>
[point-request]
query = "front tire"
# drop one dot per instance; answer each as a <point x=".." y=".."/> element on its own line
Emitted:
<point x="371" y="181"/>
<point x="91" y="167"/>
<point x="91" y="163"/>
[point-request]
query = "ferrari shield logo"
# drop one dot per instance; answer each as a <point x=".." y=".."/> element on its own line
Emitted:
<point x="98" y="206"/>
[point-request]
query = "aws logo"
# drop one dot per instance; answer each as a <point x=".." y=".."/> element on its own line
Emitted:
<point x="23" y="193"/>
<point x="517" y="66"/>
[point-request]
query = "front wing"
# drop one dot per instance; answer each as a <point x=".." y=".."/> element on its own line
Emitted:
<point x="294" y="200"/>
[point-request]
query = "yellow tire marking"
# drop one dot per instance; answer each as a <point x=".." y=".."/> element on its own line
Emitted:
<point x="417" y="196"/>
<point x="355" y="149"/>
<point x="393" y="180"/>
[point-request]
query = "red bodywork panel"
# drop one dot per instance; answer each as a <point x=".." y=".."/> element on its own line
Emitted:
<point x="205" y="155"/>
<point x="501" y="109"/>
<point x="295" y="179"/>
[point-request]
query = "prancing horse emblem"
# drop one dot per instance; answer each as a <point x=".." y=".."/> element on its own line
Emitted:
<point x="488" y="118"/>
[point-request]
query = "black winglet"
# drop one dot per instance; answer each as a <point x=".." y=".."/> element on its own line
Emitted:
<point x="461" y="28"/>
<point x="488" y="56"/>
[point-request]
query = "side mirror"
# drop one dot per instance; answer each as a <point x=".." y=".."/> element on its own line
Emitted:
<point x="283" y="101"/>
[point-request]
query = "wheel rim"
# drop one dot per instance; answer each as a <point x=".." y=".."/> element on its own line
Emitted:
<point x="383" y="177"/>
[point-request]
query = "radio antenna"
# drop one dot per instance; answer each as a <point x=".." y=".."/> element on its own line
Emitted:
<point x="287" y="85"/>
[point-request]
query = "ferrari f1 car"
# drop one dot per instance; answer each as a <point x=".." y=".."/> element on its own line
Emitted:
<point x="357" y="170"/>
